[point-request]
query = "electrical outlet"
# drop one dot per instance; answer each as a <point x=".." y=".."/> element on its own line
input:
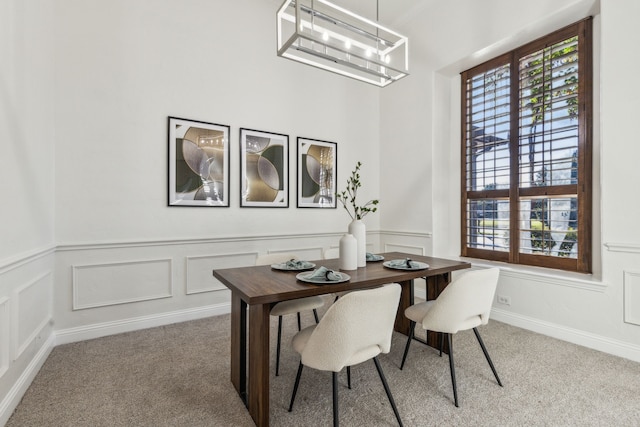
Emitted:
<point x="503" y="299"/>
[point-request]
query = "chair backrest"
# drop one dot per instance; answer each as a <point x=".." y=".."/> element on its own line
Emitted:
<point x="465" y="303"/>
<point x="357" y="327"/>
<point x="276" y="258"/>
<point x="330" y="253"/>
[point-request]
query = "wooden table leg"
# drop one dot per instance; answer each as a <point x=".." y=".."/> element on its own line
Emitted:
<point x="239" y="346"/>
<point x="402" y="324"/>
<point x="259" y="364"/>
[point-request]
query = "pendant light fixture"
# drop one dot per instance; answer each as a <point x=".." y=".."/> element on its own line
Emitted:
<point x="327" y="36"/>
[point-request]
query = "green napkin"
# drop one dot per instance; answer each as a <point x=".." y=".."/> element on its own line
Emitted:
<point x="403" y="263"/>
<point x="296" y="264"/>
<point x="323" y="273"/>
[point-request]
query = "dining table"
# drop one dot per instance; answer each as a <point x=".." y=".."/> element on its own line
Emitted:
<point x="256" y="289"/>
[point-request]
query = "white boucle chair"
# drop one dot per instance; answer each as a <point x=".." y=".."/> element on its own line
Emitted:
<point x="464" y="304"/>
<point x="356" y="328"/>
<point x="288" y="307"/>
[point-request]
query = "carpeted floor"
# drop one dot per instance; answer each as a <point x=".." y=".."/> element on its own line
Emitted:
<point x="178" y="375"/>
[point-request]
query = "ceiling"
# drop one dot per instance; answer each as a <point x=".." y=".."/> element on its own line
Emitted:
<point x="391" y="12"/>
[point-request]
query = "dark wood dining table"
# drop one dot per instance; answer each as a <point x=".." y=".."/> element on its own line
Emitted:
<point x="258" y="288"/>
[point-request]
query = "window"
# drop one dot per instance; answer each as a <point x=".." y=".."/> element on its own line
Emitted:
<point x="526" y="162"/>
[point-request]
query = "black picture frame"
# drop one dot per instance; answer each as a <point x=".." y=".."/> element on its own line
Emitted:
<point x="198" y="163"/>
<point x="317" y="173"/>
<point x="264" y="169"/>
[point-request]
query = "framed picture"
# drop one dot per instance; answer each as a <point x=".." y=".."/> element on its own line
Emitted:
<point x="198" y="163"/>
<point x="264" y="169"/>
<point x="317" y="170"/>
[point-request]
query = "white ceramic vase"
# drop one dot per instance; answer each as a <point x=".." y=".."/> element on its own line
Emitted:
<point x="359" y="231"/>
<point x="348" y="252"/>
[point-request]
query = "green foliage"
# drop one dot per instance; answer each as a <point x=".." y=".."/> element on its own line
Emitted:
<point x="570" y="239"/>
<point x="539" y="76"/>
<point x="348" y="197"/>
<point x="541" y="239"/>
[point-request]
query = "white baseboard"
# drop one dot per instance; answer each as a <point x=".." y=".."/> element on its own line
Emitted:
<point x="575" y="336"/>
<point x="87" y="332"/>
<point x="14" y="396"/>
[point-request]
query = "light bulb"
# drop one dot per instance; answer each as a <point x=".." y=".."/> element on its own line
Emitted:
<point x="347" y="44"/>
<point x="369" y="53"/>
<point x="387" y="59"/>
<point x="325" y="36"/>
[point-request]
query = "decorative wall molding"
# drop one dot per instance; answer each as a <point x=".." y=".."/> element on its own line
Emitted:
<point x="550" y="277"/>
<point x="97" y="330"/>
<point x="38" y="319"/>
<point x="632" y="297"/>
<point x="5" y="337"/>
<point x="25" y="258"/>
<point x="559" y="280"/>
<point x="426" y="234"/>
<point x="304" y="251"/>
<point x="199" y="278"/>
<point x="632" y="248"/>
<point x="120" y="282"/>
<point x="19" y="388"/>
<point x="397" y="247"/>
<point x="207" y="240"/>
<point x="596" y="342"/>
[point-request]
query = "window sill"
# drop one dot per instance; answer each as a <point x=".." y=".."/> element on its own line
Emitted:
<point x="545" y="275"/>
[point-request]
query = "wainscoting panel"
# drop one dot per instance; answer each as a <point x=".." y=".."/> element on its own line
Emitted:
<point x="632" y="297"/>
<point x="306" y="253"/>
<point x="5" y="344"/>
<point x="27" y="322"/>
<point x="199" y="270"/>
<point x="396" y="247"/>
<point x="104" y="284"/>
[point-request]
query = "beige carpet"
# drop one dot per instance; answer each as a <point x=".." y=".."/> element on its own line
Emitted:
<point x="178" y="375"/>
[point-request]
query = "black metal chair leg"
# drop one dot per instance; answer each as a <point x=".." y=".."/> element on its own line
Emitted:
<point x="486" y="355"/>
<point x="295" y="386"/>
<point x="315" y="314"/>
<point x="349" y="377"/>
<point x="278" y="345"/>
<point x="409" y="339"/>
<point x="441" y="336"/>
<point x="453" y="370"/>
<point x="336" y="421"/>
<point x="386" y="389"/>
<point x="299" y="323"/>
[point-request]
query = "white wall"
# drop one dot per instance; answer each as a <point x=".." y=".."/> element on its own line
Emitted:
<point x="87" y="237"/>
<point x="600" y="310"/>
<point x="27" y="186"/>
<point x="26" y="126"/>
<point x="122" y="67"/>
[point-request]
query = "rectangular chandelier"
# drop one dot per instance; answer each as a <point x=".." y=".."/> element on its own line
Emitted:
<point x="327" y="36"/>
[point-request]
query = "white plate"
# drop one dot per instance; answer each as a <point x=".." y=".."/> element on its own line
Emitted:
<point x="306" y="277"/>
<point x="420" y="266"/>
<point x="284" y="267"/>
<point x="375" y="258"/>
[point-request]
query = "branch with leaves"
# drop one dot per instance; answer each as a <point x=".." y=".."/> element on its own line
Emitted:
<point x="348" y="197"/>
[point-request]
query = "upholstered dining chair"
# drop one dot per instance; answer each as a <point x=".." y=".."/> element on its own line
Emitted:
<point x="464" y="304"/>
<point x="356" y="328"/>
<point x="288" y="307"/>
